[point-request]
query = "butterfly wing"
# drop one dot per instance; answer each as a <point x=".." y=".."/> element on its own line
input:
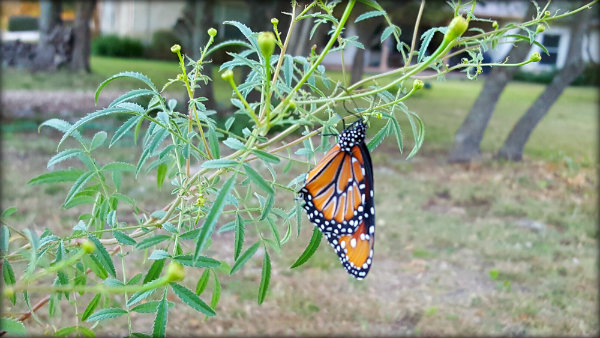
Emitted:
<point x="355" y="251"/>
<point x="335" y="189"/>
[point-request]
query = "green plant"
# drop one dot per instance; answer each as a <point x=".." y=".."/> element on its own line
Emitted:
<point x="22" y="23"/>
<point x="178" y="235"/>
<point x="113" y="45"/>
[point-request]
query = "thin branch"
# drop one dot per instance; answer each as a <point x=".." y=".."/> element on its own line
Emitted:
<point x="416" y="29"/>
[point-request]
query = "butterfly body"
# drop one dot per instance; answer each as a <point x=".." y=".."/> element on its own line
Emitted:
<point x="338" y="198"/>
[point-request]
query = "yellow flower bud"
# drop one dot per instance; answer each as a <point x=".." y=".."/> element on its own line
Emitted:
<point x="8" y="291"/>
<point x="227" y="75"/>
<point x="88" y="246"/>
<point x="456" y="28"/>
<point x="495" y="24"/>
<point x="418" y="84"/>
<point x="266" y="43"/>
<point x="175" y="272"/>
<point x="176" y="48"/>
<point x="274" y="21"/>
<point x="212" y="32"/>
<point x="535" y="57"/>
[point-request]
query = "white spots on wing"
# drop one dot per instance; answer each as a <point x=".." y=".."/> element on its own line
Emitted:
<point x="362" y="237"/>
<point x="343" y="244"/>
<point x="353" y="242"/>
<point x="371" y="229"/>
<point x="372" y="211"/>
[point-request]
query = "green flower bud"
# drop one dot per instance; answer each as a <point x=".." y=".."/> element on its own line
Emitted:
<point x="379" y="115"/>
<point x="175" y="272"/>
<point x="176" y="48"/>
<point x="540" y="28"/>
<point x="535" y="57"/>
<point x="274" y="21"/>
<point x="88" y="246"/>
<point x="456" y="28"/>
<point x="546" y="14"/>
<point x="418" y="84"/>
<point x="227" y="75"/>
<point x="266" y="43"/>
<point x="212" y="32"/>
<point x="292" y="105"/>
<point x="180" y="77"/>
<point x="495" y="24"/>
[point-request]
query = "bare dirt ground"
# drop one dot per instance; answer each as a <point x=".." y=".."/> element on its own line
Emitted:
<point x="484" y="249"/>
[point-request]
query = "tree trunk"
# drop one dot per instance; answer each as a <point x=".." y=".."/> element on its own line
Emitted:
<point x="204" y="20"/>
<point x="49" y="20"/>
<point x="516" y="140"/>
<point x="364" y="31"/>
<point x="80" y="60"/>
<point x="467" y="140"/>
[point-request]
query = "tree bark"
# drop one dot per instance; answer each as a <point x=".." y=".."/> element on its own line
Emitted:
<point x="204" y="20"/>
<point x="49" y="21"/>
<point x="364" y="31"/>
<point x="516" y="140"/>
<point x="80" y="60"/>
<point x="467" y="140"/>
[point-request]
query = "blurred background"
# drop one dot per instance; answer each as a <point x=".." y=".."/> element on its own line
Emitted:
<point x="491" y="228"/>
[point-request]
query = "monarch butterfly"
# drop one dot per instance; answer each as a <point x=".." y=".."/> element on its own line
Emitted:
<point x="338" y="196"/>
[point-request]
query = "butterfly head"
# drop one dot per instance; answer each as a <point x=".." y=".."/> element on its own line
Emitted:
<point x="353" y="135"/>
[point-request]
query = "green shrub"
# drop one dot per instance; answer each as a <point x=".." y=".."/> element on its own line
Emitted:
<point x="22" y="23"/>
<point x="162" y="40"/>
<point x="113" y="45"/>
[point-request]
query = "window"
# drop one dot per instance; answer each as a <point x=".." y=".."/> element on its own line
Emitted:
<point x="550" y="41"/>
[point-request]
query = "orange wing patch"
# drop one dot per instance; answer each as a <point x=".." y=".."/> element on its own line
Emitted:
<point x="358" y="246"/>
<point x="335" y="150"/>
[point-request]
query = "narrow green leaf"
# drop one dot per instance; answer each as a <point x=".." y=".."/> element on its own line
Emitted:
<point x="5" y="236"/>
<point x="202" y="282"/>
<point x="8" y="212"/>
<point x="132" y="94"/>
<point x="124" y="128"/>
<point x="161" y="173"/>
<point x="148" y="242"/>
<point x="239" y="236"/>
<point x="315" y="240"/>
<point x="213" y="215"/>
<point x="263" y="155"/>
<point x="9" y="278"/>
<point x="78" y="185"/>
<point x="216" y="295"/>
<point x="265" y="278"/>
<point x="275" y="232"/>
<point x="86" y="332"/>
<point x="12" y="326"/>
<point x="57" y="176"/>
<point x="63" y="155"/>
<point x="368" y="15"/>
<point x="103" y="256"/>
<point x="138" y="297"/>
<point x="154" y="271"/>
<point x="123" y="238"/>
<point x="88" y="118"/>
<point x="132" y="75"/>
<point x="113" y="282"/>
<point x="94" y="264"/>
<point x="65" y="331"/>
<point x="199" y="262"/>
<point x="234" y="143"/>
<point x="98" y="140"/>
<point x="379" y="137"/>
<point x="187" y="296"/>
<point x="91" y="307"/>
<point x="63" y="126"/>
<point x="118" y="166"/>
<point x="217" y="164"/>
<point x="268" y="206"/>
<point x="244" y="258"/>
<point x="159" y="254"/>
<point x="160" y="322"/>
<point x="106" y="314"/>
<point x="149" y="307"/>
<point x="258" y="180"/>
